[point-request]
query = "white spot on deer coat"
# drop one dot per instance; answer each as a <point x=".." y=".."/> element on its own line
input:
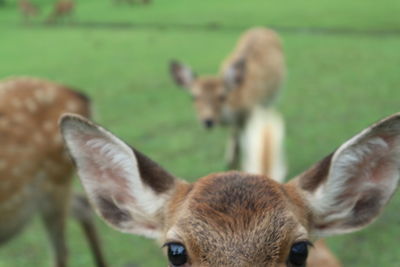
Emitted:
<point x="31" y="105"/>
<point x="40" y="95"/>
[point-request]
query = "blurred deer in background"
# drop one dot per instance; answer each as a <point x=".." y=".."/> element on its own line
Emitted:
<point x="233" y="218"/>
<point x="251" y="76"/>
<point x="28" y="10"/>
<point x="35" y="170"/>
<point x="62" y="9"/>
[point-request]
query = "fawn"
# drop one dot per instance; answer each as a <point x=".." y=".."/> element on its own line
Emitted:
<point x="28" y="9"/>
<point x="62" y="8"/>
<point x="251" y="75"/>
<point x="233" y="218"/>
<point x="35" y="169"/>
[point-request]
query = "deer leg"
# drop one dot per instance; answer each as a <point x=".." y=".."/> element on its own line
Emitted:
<point x="233" y="152"/>
<point x="82" y="212"/>
<point x="54" y="206"/>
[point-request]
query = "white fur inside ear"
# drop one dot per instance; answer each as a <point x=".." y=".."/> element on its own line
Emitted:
<point x="187" y="75"/>
<point x="366" y="163"/>
<point x="108" y="167"/>
<point x="182" y="74"/>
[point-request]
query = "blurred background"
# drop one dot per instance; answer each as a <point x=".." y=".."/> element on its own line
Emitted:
<point x="343" y="63"/>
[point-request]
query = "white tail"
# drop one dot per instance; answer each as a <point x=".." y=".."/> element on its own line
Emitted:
<point x="234" y="218"/>
<point x="262" y="144"/>
<point x="35" y="170"/>
<point x="263" y="153"/>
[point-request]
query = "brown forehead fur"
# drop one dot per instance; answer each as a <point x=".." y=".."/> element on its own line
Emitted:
<point x="208" y="83"/>
<point x="237" y="219"/>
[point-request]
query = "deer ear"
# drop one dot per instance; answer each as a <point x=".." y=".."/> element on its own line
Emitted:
<point x="182" y="74"/>
<point x="234" y="75"/>
<point x="348" y="189"/>
<point x="127" y="189"/>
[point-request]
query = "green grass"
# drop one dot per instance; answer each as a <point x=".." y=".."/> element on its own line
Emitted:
<point x="337" y="85"/>
<point x="366" y="14"/>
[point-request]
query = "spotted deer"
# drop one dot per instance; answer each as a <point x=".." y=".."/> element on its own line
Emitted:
<point x="62" y="9"/>
<point x="35" y="170"/>
<point x="252" y="75"/>
<point x="233" y="218"/>
<point x="28" y="9"/>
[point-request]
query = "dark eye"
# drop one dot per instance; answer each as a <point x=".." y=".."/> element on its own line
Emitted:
<point x="298" y="253"/>
<point x="176" y="254"/>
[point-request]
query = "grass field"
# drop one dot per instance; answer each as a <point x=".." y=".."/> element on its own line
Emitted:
<point x="337" y="85"/>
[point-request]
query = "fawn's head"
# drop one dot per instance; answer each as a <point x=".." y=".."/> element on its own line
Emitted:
<point x="210" y="93"/>
<point x="233" y="218"/>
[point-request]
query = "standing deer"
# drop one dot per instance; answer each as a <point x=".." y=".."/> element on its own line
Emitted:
<point x="27" y="9"/>
<point x="233" y="218"/>
<point x="251" y="75"/>
<point x="35" y="170"/>
<point x="62" y="8"/>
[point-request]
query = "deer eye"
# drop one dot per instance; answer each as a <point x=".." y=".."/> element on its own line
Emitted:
<point x="298" y="253"/>
<point x="176" y="254"/>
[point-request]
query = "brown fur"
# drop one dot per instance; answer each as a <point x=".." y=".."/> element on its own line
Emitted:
<point x="238" y="219"/>
<point x="28" y="9"/>
<point x="264" y="71"/>
<point x="322" y="256"/>
<point x="230" y="218"/>
<point x="224" y="218"/>
<point x="251" y="75"/>
<point x="35" y="170"/>
<point x="264" y="68"/>
<point x="62" y="8"/>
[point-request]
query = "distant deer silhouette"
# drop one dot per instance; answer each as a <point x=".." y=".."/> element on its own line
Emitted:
<point x="62" y="9"/>
<point x="27" y="9"/>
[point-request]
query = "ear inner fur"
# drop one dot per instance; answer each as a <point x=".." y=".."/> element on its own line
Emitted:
<point x="152" y="174"/>
<point x="316" y="175"/>
<point x="348" y="189"/>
